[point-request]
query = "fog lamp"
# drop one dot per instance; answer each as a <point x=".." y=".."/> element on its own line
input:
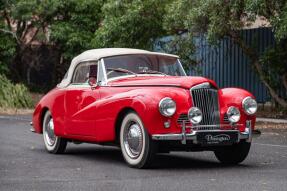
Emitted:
<point x="195" y="115"/>
<point x="233" y="114"/>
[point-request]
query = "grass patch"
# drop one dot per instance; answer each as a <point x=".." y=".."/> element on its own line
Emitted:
<point x="14" y="95"/>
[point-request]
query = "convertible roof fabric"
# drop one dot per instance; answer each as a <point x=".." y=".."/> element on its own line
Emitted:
<point x="97" y="54"/>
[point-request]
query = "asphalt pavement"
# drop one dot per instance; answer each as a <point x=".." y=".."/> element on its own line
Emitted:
<point x="25" y="165"/>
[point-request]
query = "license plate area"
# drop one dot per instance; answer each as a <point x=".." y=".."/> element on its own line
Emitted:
<point x="217" y="137"/>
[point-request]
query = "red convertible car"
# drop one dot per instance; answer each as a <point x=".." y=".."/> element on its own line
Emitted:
<point x="143" y="102"/>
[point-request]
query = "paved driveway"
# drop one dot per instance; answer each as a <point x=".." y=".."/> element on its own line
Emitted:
<point x="25" y="165"/>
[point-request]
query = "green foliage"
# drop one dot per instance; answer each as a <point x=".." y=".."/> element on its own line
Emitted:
<point x="76" y="23"/>
<point x="181" y="45"/>
<point x="218" y="19"/>
<point x="138" y="24"/>
<point x="7" y="50"/>
<point x="279" y="23"/>
<point x="176" y="16"/>
<point x="129" y="23"/>
<point x="68" y="26"/>
<point x="174" y="23"/>
<point x="14" y="95"/>
<point x="274" y="65"/>
<point x="273" y="11"/>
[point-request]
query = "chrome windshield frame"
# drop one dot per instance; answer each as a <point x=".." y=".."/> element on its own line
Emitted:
<point x="180" y="65"/>
<point x="102" y="75"/>
<point x="103" y="79"/>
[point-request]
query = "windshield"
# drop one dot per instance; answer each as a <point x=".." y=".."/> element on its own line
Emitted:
<point x="142" y="64"/>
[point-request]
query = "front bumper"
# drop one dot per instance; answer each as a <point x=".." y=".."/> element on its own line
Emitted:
<point x="247" y="135"/>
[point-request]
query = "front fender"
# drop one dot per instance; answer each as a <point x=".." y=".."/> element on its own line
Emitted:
<point x="50" y="102"/>
<point x="234" y="97"/>
<point x="108" y="109"/>
<point x="144" y="103"/>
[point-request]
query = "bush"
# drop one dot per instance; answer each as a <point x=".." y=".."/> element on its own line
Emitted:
<point x="14" y="95"/>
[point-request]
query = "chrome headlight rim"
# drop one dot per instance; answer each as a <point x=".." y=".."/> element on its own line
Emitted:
<point x="245" y="107"/>
<point x="197" y="112"/>
<point x="230" y="114"/>
<point x="162" y="108"/>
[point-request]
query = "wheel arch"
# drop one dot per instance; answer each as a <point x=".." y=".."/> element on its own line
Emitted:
<point x="123" y="112"/>
<point x="42" y="115"/>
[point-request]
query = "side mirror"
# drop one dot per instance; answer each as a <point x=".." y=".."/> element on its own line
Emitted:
<point x="92" y="82"/>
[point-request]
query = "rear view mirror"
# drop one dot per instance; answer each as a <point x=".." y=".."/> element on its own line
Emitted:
<point x="92" y="81"/>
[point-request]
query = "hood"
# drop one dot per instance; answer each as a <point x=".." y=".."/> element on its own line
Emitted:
<point x="176" y="81"/>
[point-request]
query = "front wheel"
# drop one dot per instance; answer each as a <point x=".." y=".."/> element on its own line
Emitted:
<point x="136" y="145"/>
<point x="234" y="154"/>
<point x="53" y="143"/>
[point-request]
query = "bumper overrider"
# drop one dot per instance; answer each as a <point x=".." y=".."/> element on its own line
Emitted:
<point x="247" y="135"/>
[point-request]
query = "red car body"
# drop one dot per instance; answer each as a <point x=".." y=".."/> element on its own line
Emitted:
<point x="91" y="114"/>
<point x="94" y="112"/>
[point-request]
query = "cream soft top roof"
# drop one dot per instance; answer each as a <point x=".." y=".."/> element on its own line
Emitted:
<point x="96" y="54"/>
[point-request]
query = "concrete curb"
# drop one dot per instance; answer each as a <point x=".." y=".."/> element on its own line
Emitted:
<point x="17" y="117"/>
<point x="271" y="120"/>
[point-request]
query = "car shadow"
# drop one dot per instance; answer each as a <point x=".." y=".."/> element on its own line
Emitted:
<point x="162" y="161"/>
<point x="174" y="161"/>
<point x="103" y="154"/>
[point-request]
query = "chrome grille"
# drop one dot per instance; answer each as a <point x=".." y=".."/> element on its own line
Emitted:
<point x="183" y="118"/>
<point x="205" y="127"/>
<point x="206" y="99"/>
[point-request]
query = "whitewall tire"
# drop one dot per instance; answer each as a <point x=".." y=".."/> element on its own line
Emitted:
<point x="53" y="143"/>
<point x="137" y="147"/>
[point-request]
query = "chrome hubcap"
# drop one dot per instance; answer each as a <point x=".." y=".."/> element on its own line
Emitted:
<point x="133" y="140"/>
<point x="49" y="133"/>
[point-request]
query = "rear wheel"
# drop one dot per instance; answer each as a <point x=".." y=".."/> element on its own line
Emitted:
<point x="234" y="154"/>
<point x="137" y="147"/>
<point x="53" y="143"/>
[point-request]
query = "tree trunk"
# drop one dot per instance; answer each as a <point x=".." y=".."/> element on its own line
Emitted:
<point x="255" y="61"/>
<point x="272" y="92"/>
<point x="16" y="65"/>
<point x="284" y="79"/>
<point x="28" y="74"/>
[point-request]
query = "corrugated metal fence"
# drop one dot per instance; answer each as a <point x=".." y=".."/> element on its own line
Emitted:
<point x="227" y="65"/>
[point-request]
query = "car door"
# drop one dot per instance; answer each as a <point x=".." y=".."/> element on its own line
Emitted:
<point x="79" y="101"/>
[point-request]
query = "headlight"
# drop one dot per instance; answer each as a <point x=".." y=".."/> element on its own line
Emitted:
<point x="233" y="114"/>
<point x="167" y="107"/>
<point x="195" y="115"/>
<point x="249" y="105"/>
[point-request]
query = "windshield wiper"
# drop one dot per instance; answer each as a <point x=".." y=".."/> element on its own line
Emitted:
<point x="122" y="70"/>
<point x="151" y="72"/>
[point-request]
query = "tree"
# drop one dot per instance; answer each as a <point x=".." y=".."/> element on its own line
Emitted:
<point x="23" y="23"/>
<point x="134" y="24"/>
<point x="181" y="42"/>
<point x="225" y="18"/>
<point x="73" y="29"/>
<point x="68" y="26"/>
<point x="7" y="50"/>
